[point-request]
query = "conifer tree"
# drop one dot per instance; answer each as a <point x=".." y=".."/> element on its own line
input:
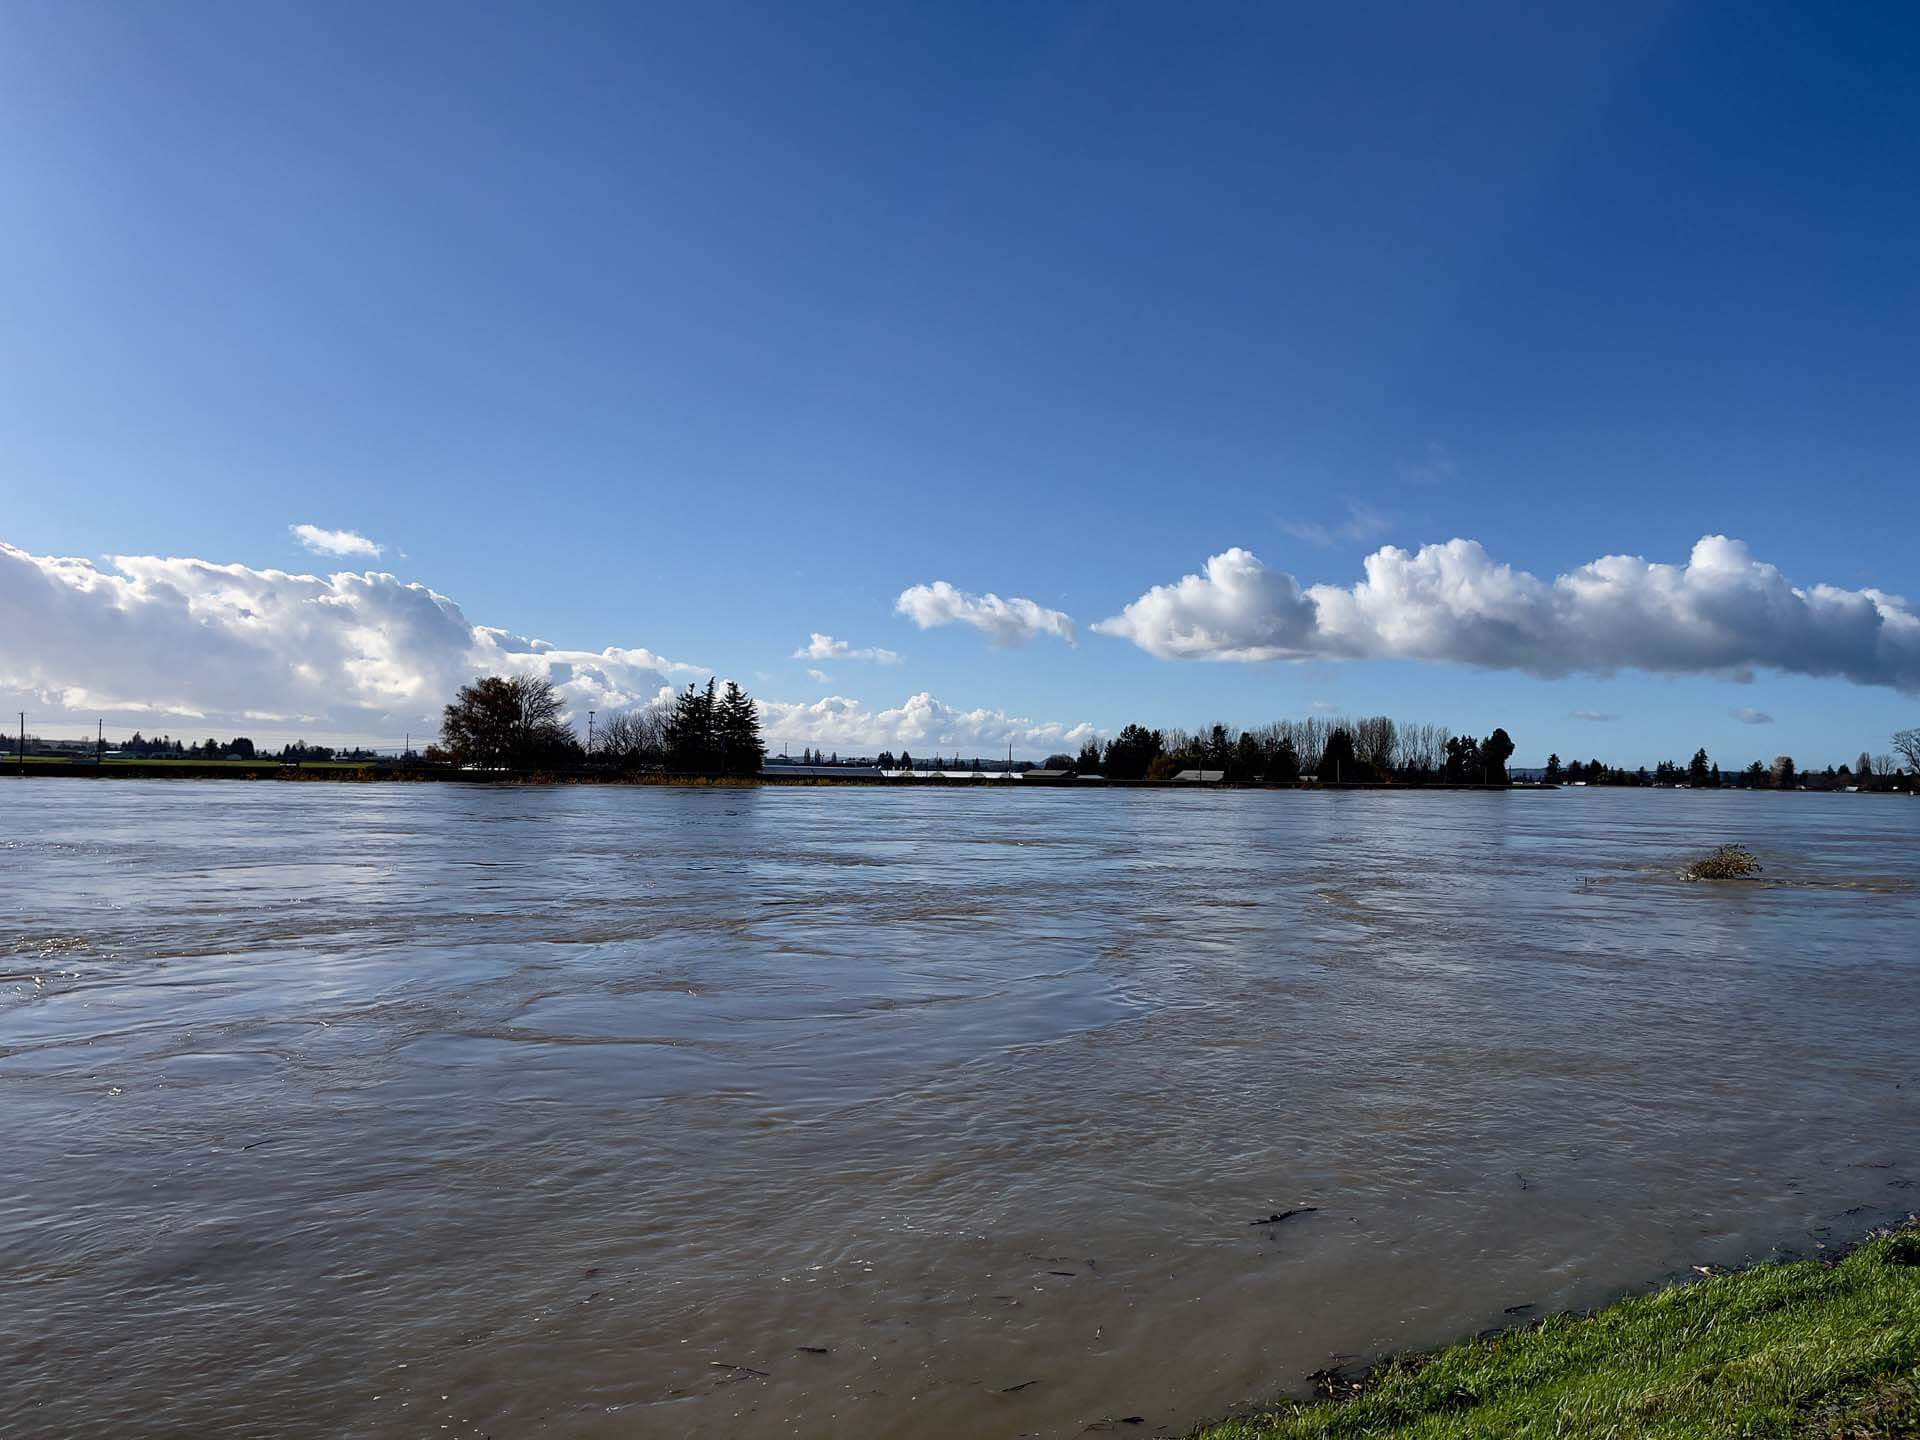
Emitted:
<point x="690" y="747"/>
<point x="737" y="730"/>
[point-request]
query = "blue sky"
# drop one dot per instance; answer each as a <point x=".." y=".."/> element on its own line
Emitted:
<point x="703" y="328"/>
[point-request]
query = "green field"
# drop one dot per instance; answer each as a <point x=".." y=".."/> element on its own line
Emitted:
<point x="1811" y="1349"/>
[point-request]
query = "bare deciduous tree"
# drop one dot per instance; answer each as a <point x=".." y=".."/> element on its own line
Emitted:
<point x="633" y="738"/>
<point x="1907" y="742"/>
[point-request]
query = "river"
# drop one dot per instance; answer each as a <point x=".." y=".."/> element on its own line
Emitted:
<point x="409" y="1110"/>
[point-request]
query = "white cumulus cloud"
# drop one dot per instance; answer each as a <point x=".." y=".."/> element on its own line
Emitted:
<point x="1723" y="612"/>
<point x="1747" y="715"/>
<point x="921" y="723"/>
<point x="335" y="542"/>
<point x="347" y="654"/>
<point x="825" y="647"/>
<point x="1006" y="622"/>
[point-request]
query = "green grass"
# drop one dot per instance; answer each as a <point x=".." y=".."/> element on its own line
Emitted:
<point x="1810" y="1349"/>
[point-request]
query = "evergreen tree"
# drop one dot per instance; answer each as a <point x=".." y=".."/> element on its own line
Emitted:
<point x="737" y="728"/>
<point x="1248" y="758"/>
<point x="1218" y="748"/>
<point x="1552" y="774"/>
<point x="1285" y="764"/>
<point x="1337" y="762"/>
<point x="1463" y="760"/>
<point x="1495" y="751"/>
<point x="1132" y="751"/>
<point x="1698" y="775"/>
<point x="690" y="739"/>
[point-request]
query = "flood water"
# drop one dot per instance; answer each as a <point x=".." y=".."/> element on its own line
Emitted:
<point x="425" y="1110"/>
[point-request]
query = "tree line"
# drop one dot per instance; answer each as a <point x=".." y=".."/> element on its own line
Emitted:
<point x="1369" y="750"/>
<point x="1868" y="772"/>
<point x="518" y="723"/>
<point x="240" y="747"/>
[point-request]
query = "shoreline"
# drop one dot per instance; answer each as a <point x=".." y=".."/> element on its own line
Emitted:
<point x="1824" y="1347"/>
<point x="349" y="773"/>
<point x="335" y="772"/>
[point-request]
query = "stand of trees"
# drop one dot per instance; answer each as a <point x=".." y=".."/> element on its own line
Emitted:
<point x="1869" y="772"/>
<point x="711" y="732"/>
<point x="1371" y="749"/>
<point x="167" y="748"/>
<point x="514" y="723"/>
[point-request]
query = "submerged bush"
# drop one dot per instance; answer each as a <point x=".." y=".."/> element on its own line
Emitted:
<point x="1729" y="862"/>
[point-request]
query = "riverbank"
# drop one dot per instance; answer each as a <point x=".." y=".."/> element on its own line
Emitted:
<point x="353" y="772"/>
<point x="1827" y="1348"/>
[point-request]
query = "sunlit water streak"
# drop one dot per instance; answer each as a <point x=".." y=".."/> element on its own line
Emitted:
<point x="395" y="1111"/>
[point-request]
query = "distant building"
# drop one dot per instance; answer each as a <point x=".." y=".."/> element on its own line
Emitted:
<point x="830" y="772"/>
<point x="1201" y="777"/>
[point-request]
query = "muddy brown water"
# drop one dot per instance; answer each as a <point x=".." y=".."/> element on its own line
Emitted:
<point x="415" y="1111"/>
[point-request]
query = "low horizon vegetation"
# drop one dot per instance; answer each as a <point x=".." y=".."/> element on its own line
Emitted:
<point x="500" y="722"/>
<point x="516" y="723"/>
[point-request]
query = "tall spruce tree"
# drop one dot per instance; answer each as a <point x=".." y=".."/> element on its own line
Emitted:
<point x="690" y="747"/>
<point x="737" y="729"/>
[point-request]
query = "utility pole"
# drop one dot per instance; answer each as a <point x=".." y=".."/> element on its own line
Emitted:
<point x="23" y="743"/>
<point x="99" y="740"/>
<point x="589" y="732"/>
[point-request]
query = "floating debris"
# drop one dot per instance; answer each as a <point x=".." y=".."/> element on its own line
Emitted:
<point x="1286" y="1215"/>
<point x="1729" y="862"/>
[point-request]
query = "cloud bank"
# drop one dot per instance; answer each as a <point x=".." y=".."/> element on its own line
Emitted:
<point x="1006" y="622"/>
<point x="1722" y="613"/>
<point x="347" y="654"/>
<point x="161" y="643"/>
<point x="825" y="647"/>
<point x="335" y="542"/>
<point x="922" y="723"/>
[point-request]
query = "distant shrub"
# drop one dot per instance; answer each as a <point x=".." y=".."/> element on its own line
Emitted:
<point x="1729" y="862"/>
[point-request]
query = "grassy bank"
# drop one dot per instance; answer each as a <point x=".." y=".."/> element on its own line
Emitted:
<point x="1810" y="1349"/>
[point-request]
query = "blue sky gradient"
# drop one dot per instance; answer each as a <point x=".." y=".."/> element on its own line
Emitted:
<point x="701" y="328"/>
